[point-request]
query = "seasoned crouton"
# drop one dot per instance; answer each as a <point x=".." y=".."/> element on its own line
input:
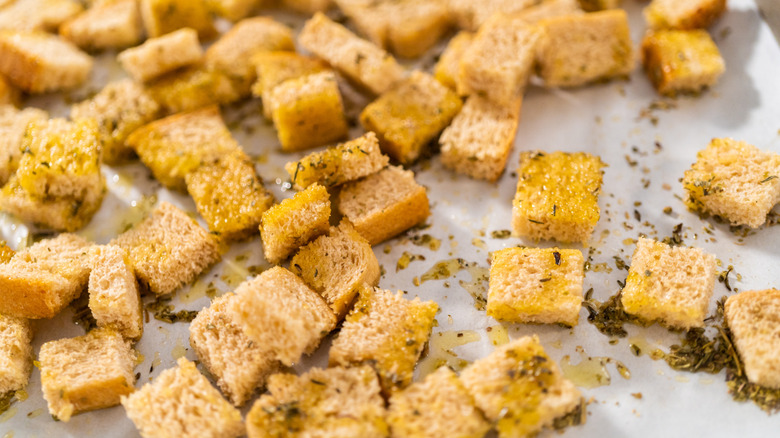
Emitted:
<point x="447" y="68"/>
<point x="690" y="14"/>
<point x="114" y="299"/>
<point x="752" y="318"/>
<point x="275" y="67"/>
<point x="13" y="126"/>
<point x="111" y="24"/>
<point x="38" y="15"/>
<point x="165" y="16"/>
<point x="162" y="54"/>
<point x="472" y="14"/>
<point x="16" y="353"/>
<point x="193" y="88"/>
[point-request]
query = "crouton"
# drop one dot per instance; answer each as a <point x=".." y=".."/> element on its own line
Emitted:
<point x="308" y="7"/>
<point x="557" y="196"/>
<point x="13" y="126"/>
<point x="239" y="365"/>
<point x="193" y="88"/>
<point x="338" y="402"/>
<point x="181" y="402"/>
<point x="752" y="318"/>
<point x="161" y="55"/>
<point x="384" y="204"/>
<point x="38" y="15"/>
<point x="39" y="62"/>
<point x="386" y="331"/>
<point x="279" y="312"/>
<point x="735" y="180"/>
<point x="599" y="5"/>
<point x="165" y="16"/>
<point x="9" y="95"/>
<point x="294" y="222"/>
<point x="233" y="10"/>
<point x="672" y="285"/>
<point x="16" y="353"/>
<point x="479" y="140"/>
<point x="520" y="388"/>
<point x="168" y="249"/>
<point x="540" y="285"/>
<point x="692" y="14"/>
<point x="447" y="68"/>
<point x="113" y="24"/>
<point x="114" y="299"/>
<point x="471" y="15"/>
<point x="275" y="67"/>
<point x="408" y="117"/>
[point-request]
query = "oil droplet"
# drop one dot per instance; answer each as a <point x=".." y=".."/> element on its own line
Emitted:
<point x="477" y="287"/>
<point x="440" y="351"/>
<point x="156" y="361"/>
<point x="427" y="240"/>
<point x="590" y="373"/>
<point x="21" y="395"/>
<point x="36" y="413"/>
<point x="7" y="415"/>
<point x="479" y="243"/>
<point x="405" y="259"/>
<point x="640" y="346"/>
<point x="623" y="370"/>
<point x="9" y="434"/>
<point x="178" y="350"/>
<point x="498" y="335"/>
<point x="198" y="290"/>
<point x="234" y="273"/>
<point x="683" y="379"/>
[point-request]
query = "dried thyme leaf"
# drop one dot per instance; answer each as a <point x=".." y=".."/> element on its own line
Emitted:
<point x="163" y="311"/>
<point x="609" y="316"/>
<point x="768" y="399"/>
<point x="576" y="417"/>
<point x="6" y="400"/>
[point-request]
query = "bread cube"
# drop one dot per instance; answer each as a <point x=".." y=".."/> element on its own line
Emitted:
<point x="557" y="196"/>
<point x="308" y="112"/>
<point x="690" y="14"/>
<point x="520" y="388"/>
<point x="408" y="117"/>
<point x="337" y="402"/>
<point x="472" y="14"/>
<point x="599" y="5"/>
<point x="161" y="55"/>
<point x="181" y="402"/>
<point x="447" y="68"/>
<point x="735" y="180"/>
<point x="165" y="16"/>
<point x="672" y="285"/>
<point x="384" y="204"/>
<point x="480" y="138"/>
<point x="38" y="15"/>
<point x="168" y="249"/>
<point x="114" y="299"/>
<point x="9" y="95"/>
<point x="279" y="312"/>
<point x="308" y="7"/>
<point x="233" y="10"/>
<point x="275" y="67"/>
<point x="584" y="48"/>
<point x="13" y="126"/>
<point x="539" y="285"/>
<point x="752" y="318"/>
<point x="239" y="365"/>
<point x="16" y="353"/>
<point x="681" y="61"/>
<point x="193" y="88"/>
<point x="294" y="222"/>
<point x="86" y="373"/>
<point x="39" y="62"/>
<point x="386" y="331"/>
<point x="119" y="108"/>
<point x="112" y="24"/>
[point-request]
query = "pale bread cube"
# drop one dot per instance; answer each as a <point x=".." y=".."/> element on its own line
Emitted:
<point x="38" y="15"/>
<point x="685" y="15"/>
<point x="752" y="317"/>
<point x="472" y="14"/>
<point x="111" y="24"/>
<point x="193" y="88"/>
<point x="161" y="55"/>
<point x="13" y="125"/>
<point x="447" y="68"/>
<point x="114" y="298"/>
<point x="165" y="16"/>
<point x="16" y="353"/>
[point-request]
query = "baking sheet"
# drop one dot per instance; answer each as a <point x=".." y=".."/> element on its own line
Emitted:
<point x="614" y="120"/>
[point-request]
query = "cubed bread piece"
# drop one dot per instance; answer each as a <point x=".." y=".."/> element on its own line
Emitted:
<point x="275" y="67"/>
<point x="472" y="14"/>
<point x="359" y="60"/>
<point x="239" y="365"/>
<point x="681" y="61"/>
<point x="111" y="24"/>
<point x="308" y="112"/>
<point x="557" y="196"/>
<point x="165" y="16"/>
<point x="337" y="265"/>
<point x="684" y="15"/>
<point x="193" y="88"/>
<point x="479" y="140"/>
<point x="16" y="353"/>
<point x="278" y="311"/>
<point x="162" y="54"/>
<point x="13" y="126"/>
<point x="599" y="5"/>
<point x="672" y="285"/>
<point x="294" y="222"/>
<point x="338" y="164"/>
<point x="86" y="372"/>
<point x="114" y="299"/>
<point x="333" y="402"/>
<point x="38" y="15"/>
<point x="447" y="68"/>
<point x="384" y="204"/>
<point x="233" y="10"/>
<point x="520" y="388"/>
<point x="539" y="285"/>
<point x="735" y="180"/>
<point x="39" y="62"/>
<point x="119" y="108"/>
<point x="181" y="402"/>
<point x="229" y="195"/>
<point x="308" y="7"/>
<point x="752" y="317"/>
<point x="583" y="48"/>
<point x="386" y="331"/>
<point x="168" y="249"/>
<point x="9" y="95"/>
<point x="438" y="406"/>
<point x="408" y="117"/>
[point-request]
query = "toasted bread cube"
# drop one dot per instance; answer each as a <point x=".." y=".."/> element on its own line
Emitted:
<point x="16" y="353"/>
<point x="683" y="15"/>
<point x="539" y="285"/>
<point x="386" y="331"/>
<point x="161" y="55"/>
<point x="86" y="373"/>
<point x="165" y="16"/>
<point x="38" y="15"/>
<point x="471" y="15"/>
<point x="308" y="112"/>
<point x="752" y="318"/>
<point x="338" y="164"/>
<point x="275" y="67"/>
<point x="308" y="7"/>
<point x="181" y="402"/>
<point x="168" y="249"/>
<point x="112" y="24"/>
<point x="278" y="311"/>
<point x="9" y="95"/>
<point x="672" y="285"/>
<point x="735" y="180"/>
<point x="343" y="402"/>
<point x="599" y="5"/>
<point x="230" y="196"/>
<point x="520" y="388"/>
<point x="119" y="108"/>
<point x="193" y="88"/>
<point x="239" y="365"/>
<point x="436" y="407"/>
<point x="557" y="196"/>
<point x="384" y="204"/>
<point x="13" y="126"/>
<point x="360" y="61"/>
<point x="447" y="68"/>
<point x="681" y="61"/>
<point x="410" y="115"/>
<point x="114" y="299"/>
<point x="479" y="140"/>
<point x="39" y="62"/>
<point x="233" y="10"/>
<point x="294" y="222"/>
